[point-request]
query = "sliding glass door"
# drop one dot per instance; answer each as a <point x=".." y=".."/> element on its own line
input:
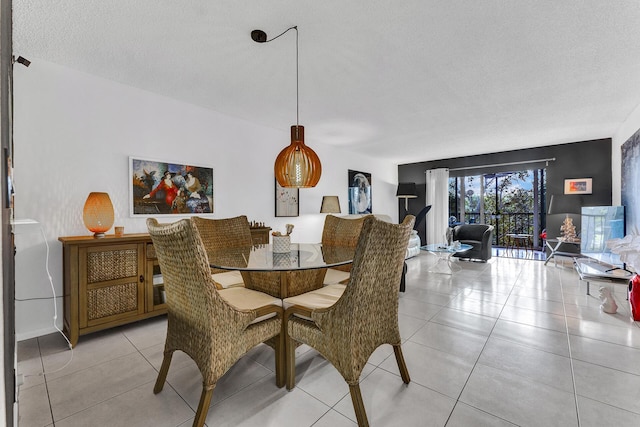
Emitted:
<point x="513" y="202"/>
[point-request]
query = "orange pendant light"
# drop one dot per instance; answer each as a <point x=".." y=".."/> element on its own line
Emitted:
<point x="296" y="166"/>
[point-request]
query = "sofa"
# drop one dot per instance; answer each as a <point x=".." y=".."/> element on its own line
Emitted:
<point x="413" y="248"/>
<point x="476" y="235"/>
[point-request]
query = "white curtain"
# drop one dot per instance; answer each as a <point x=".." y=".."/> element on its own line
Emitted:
<point x="437" y="195"/>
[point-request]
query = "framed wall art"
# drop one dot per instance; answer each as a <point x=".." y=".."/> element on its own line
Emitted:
<point x="287" y="201"/>
<point x="577" y="186"/>
<point x="167" y="188"/>
<point x="359" y="192"/>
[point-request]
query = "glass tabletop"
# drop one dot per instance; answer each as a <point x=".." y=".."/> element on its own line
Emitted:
<point x="443" y="247"/>
<point x="302" y="256"/>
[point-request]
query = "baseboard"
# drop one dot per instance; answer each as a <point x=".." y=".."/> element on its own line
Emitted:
<point x="33" y="334"/>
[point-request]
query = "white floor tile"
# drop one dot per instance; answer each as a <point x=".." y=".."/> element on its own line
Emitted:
<point x="597" y="414"/>
<point x="458" y="342"/>
<point x="487" y="346"/>
<point x="445" y="373"/>
<point x="609" y="386"/>
<point x="537" y="365"/>
<point x="465" y="416"/>
<point x="518" y="399"/>
<point x="390" y="402"/>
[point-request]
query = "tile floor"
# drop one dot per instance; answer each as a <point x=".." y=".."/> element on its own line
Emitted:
<point x="509" y="342"/>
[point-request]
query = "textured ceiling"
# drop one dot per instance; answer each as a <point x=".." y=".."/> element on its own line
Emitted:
<point x="408" y="80"/>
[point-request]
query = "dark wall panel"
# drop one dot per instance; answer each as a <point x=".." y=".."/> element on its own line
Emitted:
<point x="587" y="159"/>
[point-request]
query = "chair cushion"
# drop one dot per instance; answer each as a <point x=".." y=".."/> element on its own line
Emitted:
<point x="413" y="248"/>
<point x="228" y="279"/>
<point x="247" y="299"/>
<point x="320" y="298"/>
<point x="334" y="277"/>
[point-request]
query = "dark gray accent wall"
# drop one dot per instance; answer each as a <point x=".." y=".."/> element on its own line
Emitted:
<point x="586" y="159"/>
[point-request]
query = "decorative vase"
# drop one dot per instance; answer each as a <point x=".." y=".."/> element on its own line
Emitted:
<point x="634" y="297"/>
<point x="281" y="244"/>
<point x="449" y="236"/>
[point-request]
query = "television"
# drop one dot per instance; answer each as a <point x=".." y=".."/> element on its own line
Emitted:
<point x="598" y="225"/>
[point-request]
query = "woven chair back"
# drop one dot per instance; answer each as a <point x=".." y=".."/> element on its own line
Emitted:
<point x="223" y="234"/>
<point x="185" y="270"/>
<point x="341" y="231"/>
<point x="370" y="300"/>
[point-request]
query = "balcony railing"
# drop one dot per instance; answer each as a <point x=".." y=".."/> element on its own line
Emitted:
<point x="505" y="223"/>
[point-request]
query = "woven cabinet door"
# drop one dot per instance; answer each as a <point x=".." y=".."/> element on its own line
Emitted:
<point x="111" y="283"/>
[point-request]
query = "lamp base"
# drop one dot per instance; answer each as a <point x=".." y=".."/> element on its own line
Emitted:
<point x="98" y="235"/>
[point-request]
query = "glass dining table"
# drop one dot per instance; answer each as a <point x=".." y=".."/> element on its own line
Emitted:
<point x="286" y="274"/>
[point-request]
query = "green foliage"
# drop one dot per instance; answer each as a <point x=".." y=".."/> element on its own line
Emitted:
<point x="508" y="200"/>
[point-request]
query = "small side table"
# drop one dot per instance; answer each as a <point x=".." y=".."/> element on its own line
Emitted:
<point x="444" y="253"/>
<point x="554" y="246"/>
<point x="520" y="241"/>
<point x="591" y="270"/>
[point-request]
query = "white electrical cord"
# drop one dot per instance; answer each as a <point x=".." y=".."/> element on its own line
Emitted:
<point x="55" y="310"/>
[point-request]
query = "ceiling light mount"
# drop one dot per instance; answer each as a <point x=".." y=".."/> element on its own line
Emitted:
<point x="258" y="36"/>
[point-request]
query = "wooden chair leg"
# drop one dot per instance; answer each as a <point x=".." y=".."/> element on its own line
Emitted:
<point x="280" y="349"/>
<point x="358" y="405"/>
<point x="290" y="362"/>
<point x="203" y="407"/>
<point x="162" y="375"/>
<point x="402" y="366"/>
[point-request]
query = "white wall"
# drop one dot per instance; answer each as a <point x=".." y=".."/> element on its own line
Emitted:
<point x="628" y="128"/>
<point x="74" y="134"/>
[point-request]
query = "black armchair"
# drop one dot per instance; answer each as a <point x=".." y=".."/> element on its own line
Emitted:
<point x="476" y="235"/>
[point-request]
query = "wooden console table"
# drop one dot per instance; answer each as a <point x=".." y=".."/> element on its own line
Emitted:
<point x="113" y="281"/>
<point x="260" y="235"/>
<point x="109" y="282"/>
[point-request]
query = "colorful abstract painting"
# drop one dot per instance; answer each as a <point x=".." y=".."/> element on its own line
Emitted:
<point x="165" y="188"/>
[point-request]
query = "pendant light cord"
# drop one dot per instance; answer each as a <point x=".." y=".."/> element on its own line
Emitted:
<point x="295" y="27"/>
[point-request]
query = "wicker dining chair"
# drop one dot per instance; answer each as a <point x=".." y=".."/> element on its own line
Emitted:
<point x="346" y="323"/>
<point x="221" y="234"/>
<point x="341" y="232"/>
<point x="214" y="327"/>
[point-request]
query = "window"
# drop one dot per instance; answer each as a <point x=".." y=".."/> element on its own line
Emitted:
<point x="513" y="202"/>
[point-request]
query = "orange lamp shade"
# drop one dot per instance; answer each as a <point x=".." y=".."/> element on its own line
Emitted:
<point x="297" y="165"/>
<point x="98" y="214"/>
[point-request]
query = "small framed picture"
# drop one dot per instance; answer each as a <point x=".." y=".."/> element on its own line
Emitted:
<point x="287" y="201"/>
<point x="577" y="186"/>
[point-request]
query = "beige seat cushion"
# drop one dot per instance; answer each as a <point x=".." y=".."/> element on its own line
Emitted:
<point x="247" y="299"/>
<point x="320" y="298"/>
<point x="334" y="277"/>
<point x="228" y="279"/>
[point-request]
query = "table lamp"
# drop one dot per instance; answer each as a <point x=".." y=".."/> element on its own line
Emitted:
<point x="406" y="191"/>
<point x="98" y="214"/>
<point x="330" y="204"/>
<point x="566" y="204"/>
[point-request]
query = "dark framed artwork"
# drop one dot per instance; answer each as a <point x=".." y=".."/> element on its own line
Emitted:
<point x="630" y="174"/>
<point x="166" y="188"/>
<point x="359" y="192"/>
<point x="287" y="200"/>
